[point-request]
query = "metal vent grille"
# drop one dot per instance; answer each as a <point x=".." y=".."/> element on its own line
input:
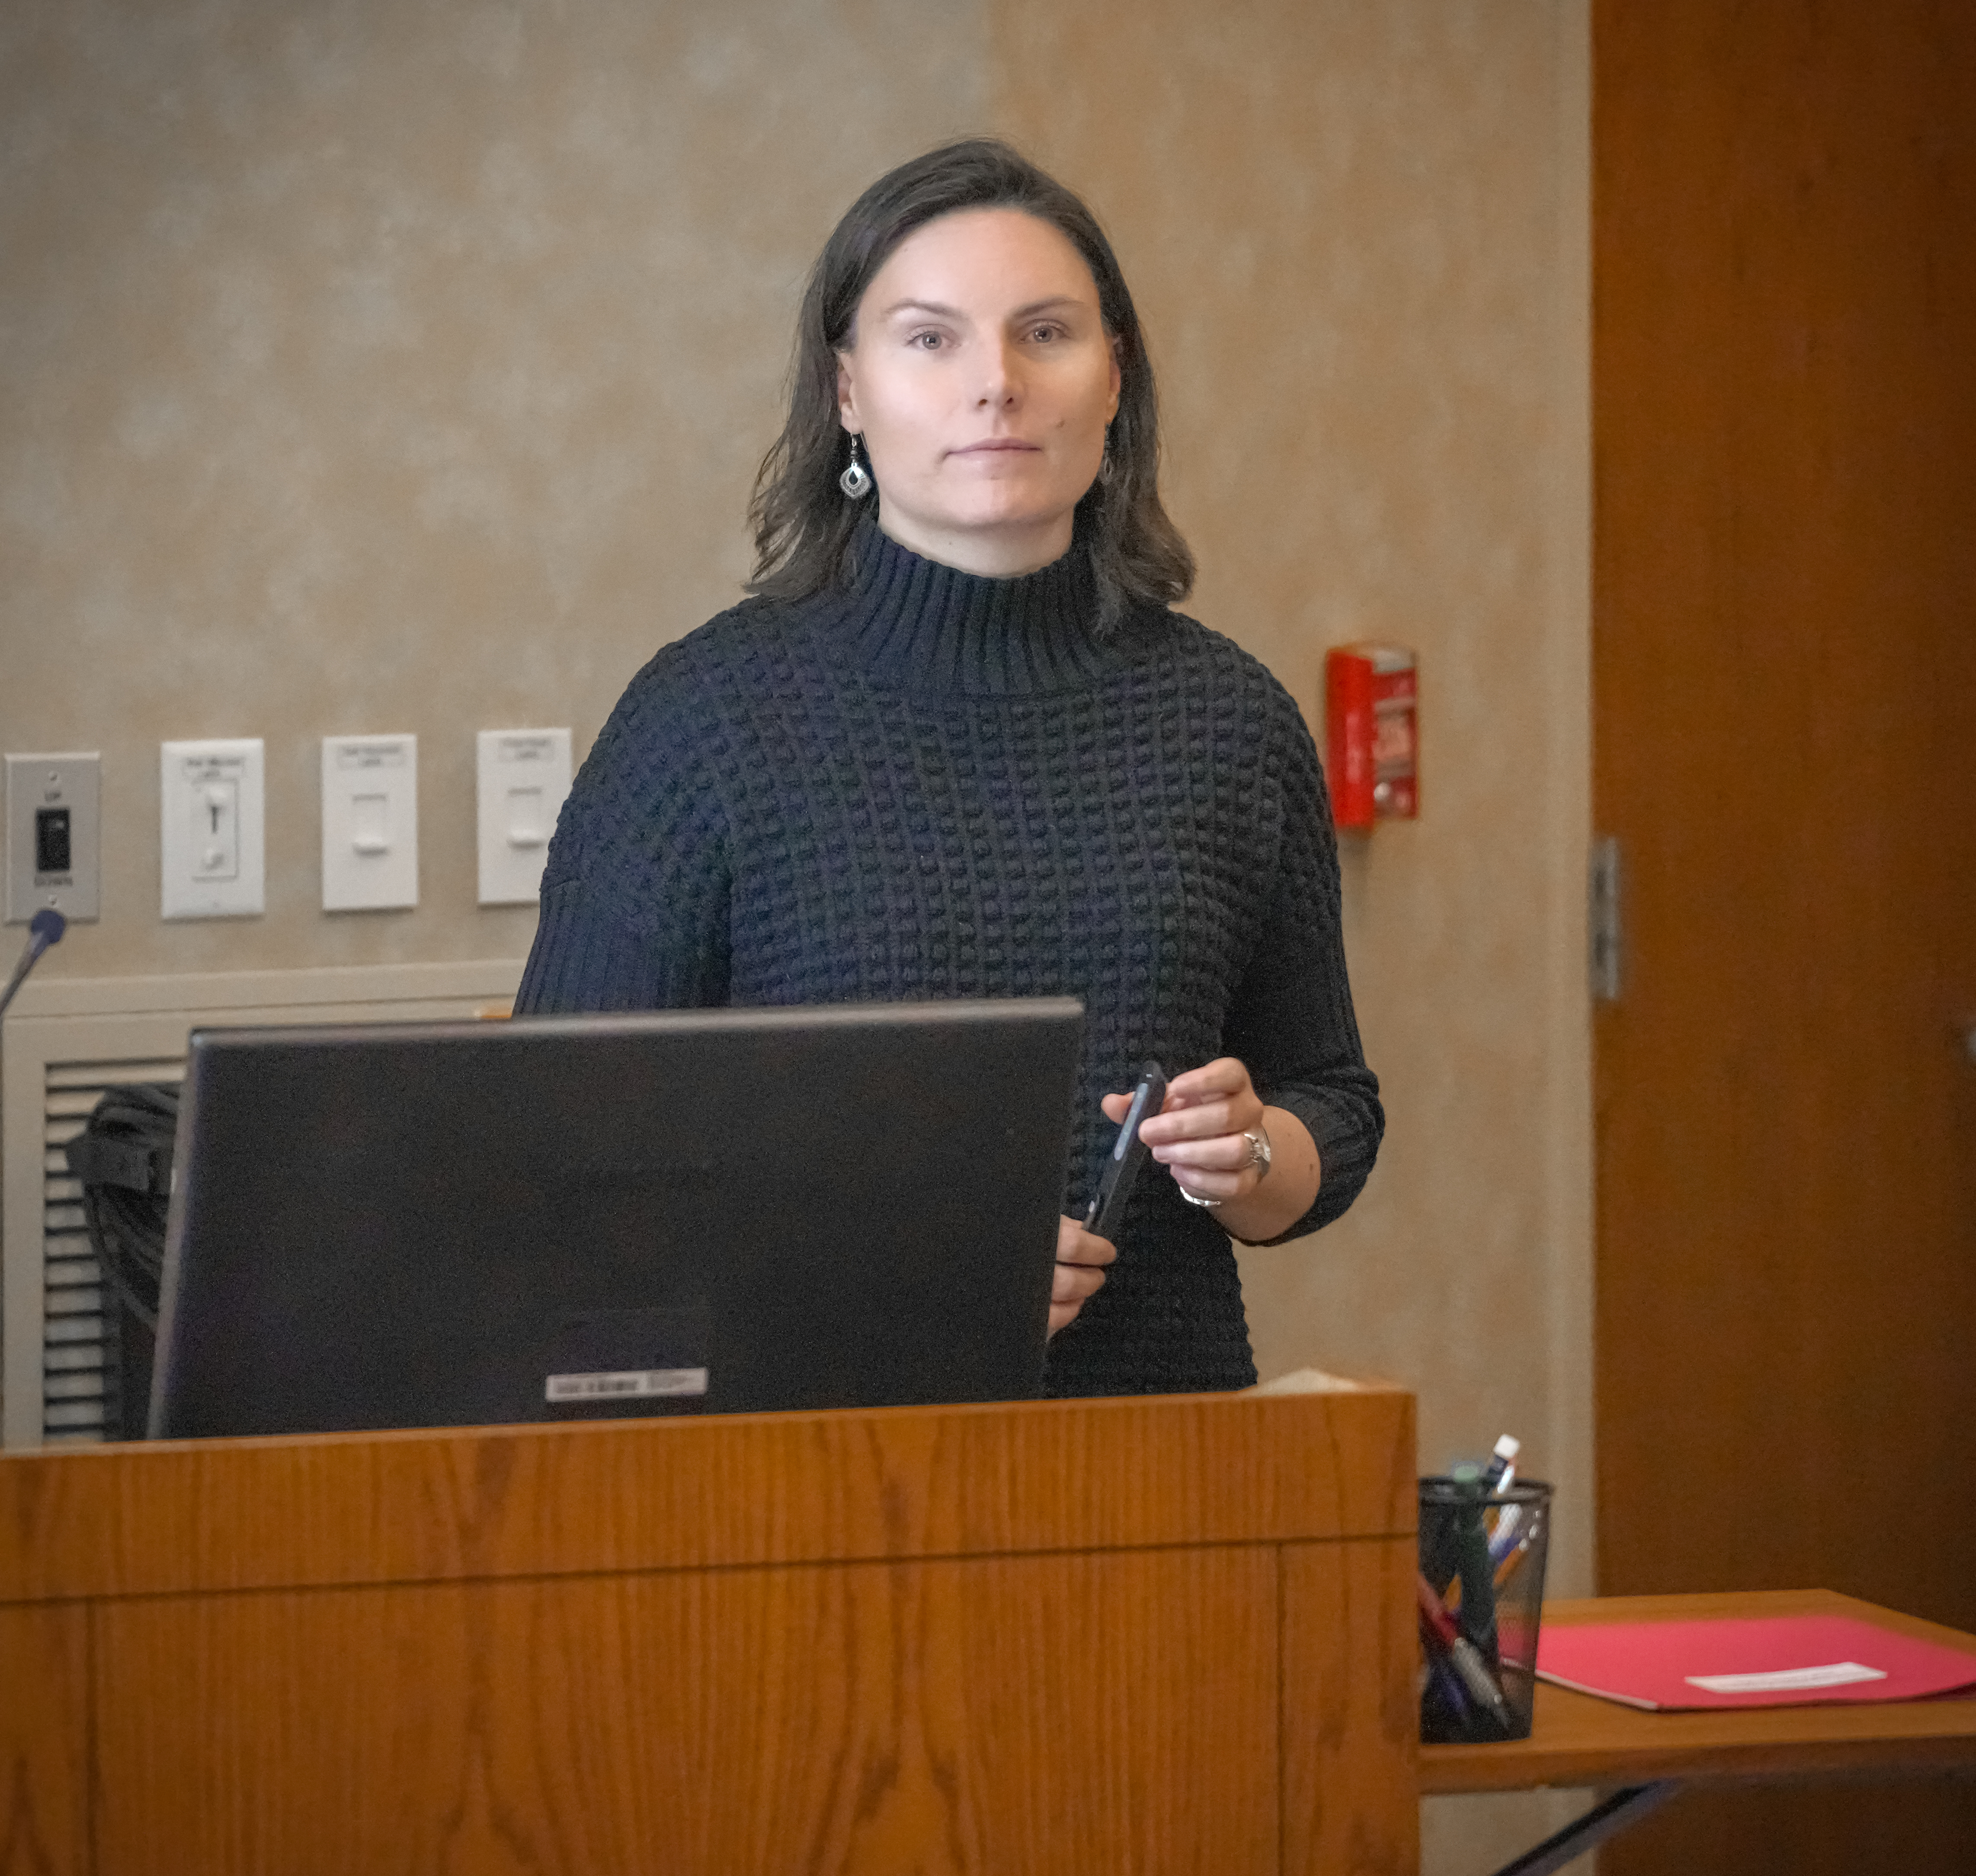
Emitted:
<point x="76" y="1301"/>
<point x="65" y="1042"/>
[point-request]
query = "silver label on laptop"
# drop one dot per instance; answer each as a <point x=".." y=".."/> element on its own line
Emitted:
<point x="625" y="1384"/>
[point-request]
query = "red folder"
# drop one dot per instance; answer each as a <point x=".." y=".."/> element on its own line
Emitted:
<point x="1778" y="1660"/>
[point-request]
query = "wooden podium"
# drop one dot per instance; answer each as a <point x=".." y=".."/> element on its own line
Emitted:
<point x="1089" y="1637"/>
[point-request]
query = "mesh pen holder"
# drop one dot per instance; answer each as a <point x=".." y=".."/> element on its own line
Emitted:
<point x="1482" y="1557"/>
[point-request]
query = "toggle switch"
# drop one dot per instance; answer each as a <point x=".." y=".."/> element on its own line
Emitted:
<point x="52" y="814"/>
<point x="216" y="830"/>
<point x="54" y="850"/>
<point x="212" y="810"/>
<point x="369" y="823"/>
<point x="524" y="777"/>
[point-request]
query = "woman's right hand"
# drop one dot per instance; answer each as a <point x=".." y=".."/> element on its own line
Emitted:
<point x="1081" y="1258"/>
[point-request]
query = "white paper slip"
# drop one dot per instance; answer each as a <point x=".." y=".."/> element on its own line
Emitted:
<point x="628" y="1384"/>
<point x="1787" y="1679"/>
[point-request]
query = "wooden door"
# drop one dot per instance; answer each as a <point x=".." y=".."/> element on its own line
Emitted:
<point x="1784" y="424"/>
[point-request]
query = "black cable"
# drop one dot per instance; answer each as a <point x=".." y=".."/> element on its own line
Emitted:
<point x="123" y="1159"/>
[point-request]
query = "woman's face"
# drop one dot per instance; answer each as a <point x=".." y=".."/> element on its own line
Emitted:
<point x="981" y="378"/>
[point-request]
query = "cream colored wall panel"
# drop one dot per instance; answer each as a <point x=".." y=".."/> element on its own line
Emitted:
<point x="370" y="365"/>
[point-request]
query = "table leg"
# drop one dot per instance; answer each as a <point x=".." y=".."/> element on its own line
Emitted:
<point x="1604" y="1820"/>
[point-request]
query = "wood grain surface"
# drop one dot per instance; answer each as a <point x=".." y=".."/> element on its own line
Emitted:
<point x="1047" y="1715"/>
<point x="1351" y="1724"/>
<point x="44" y="1742"/>
<point x="1785" y="668"/>
<point x="696" y="1493"/>
<point x="1784" y="443"/>
<point x="1577" y="1740"/>
<point x="1047" y="1637"/>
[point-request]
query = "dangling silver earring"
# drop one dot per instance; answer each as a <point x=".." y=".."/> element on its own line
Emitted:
<point x="856" y="481"/>
<point x="1104" y="462"/>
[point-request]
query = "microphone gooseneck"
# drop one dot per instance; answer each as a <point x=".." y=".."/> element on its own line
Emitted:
<point x="44" y="928"/>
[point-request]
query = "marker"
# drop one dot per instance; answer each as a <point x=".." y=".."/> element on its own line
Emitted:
<point x="1500" y="1474"/>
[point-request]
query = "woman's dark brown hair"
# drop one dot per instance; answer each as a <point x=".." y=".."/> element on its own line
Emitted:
<point x="803" y="521"/>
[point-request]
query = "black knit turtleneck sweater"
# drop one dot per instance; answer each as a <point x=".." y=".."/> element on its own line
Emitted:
<point x="931" y="785"/>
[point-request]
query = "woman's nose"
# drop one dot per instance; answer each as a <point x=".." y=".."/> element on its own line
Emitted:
<point x="1001" y="382"/>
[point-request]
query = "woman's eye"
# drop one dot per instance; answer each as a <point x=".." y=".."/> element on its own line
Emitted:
<point x="926" y="341"/>
<point x="1046" y="332"/>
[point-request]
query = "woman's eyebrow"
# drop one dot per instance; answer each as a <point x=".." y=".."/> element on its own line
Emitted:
<point x="954" y="312"/>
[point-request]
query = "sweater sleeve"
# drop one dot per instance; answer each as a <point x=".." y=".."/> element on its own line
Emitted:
<point x="1291" y="1020"/>
<point x="635" y="904"/>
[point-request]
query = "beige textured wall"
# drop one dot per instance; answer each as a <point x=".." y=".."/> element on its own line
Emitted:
<point x="1358" y="235"/>
<point x="370" y="367"/>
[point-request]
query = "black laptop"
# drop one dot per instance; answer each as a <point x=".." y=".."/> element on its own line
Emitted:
<point x="454" y="1224"/>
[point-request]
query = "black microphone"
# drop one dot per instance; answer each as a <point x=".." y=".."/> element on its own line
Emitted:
<point x="45" y="928"/>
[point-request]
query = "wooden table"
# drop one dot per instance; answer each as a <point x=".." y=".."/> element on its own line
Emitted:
<point x="1579" y="1740"/>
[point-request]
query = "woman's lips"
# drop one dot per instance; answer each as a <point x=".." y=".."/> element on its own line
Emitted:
<point x="997" y="445"/>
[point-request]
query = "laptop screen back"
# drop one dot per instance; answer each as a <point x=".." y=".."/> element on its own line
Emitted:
<point x="453" y="1224"/>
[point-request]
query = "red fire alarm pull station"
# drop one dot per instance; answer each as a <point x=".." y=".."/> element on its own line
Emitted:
<point x="1372" y="698"/>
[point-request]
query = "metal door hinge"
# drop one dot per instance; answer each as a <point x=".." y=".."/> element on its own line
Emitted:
<point x="1607" y="947"/>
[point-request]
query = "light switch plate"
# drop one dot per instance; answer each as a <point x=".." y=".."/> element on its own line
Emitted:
<point x="53" y="836"/>
<point x="369" y="823"/>
<point x="212" y="818"/>
<point x="523" y="775"/>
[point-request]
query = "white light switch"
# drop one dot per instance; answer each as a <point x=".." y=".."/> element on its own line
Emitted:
<point x="524" y="777"/>
<point x="212" y="810"/>
<point x="369" y="823"/>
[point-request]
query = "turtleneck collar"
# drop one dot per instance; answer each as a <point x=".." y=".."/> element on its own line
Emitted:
<point x="919" y="626"/>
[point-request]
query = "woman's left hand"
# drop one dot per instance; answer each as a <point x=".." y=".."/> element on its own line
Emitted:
<point x="1201" y="1137"/>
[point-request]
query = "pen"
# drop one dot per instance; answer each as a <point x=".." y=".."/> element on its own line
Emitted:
<point x="1442" y="1687"/>
<point x="1511" y="1561"/>
<point x="1509" y="1557"/>
<point x="1455" y="1647"/>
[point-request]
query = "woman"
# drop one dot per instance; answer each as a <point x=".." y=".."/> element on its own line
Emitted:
<point x="957" y="746"/>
